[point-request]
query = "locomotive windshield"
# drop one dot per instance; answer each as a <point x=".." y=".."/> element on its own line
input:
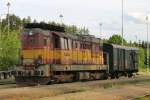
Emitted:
<point x="28" y="39"/>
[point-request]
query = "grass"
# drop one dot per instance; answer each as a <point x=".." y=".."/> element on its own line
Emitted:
<point x="144" y="73"/>
<point x="76" y="90"/>
<point x="118" y="85"/>
<point x="36" y="93"/>
<point x="143" y="98"/>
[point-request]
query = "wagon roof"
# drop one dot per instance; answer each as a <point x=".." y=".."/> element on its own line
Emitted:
<point x="124" y="47"/>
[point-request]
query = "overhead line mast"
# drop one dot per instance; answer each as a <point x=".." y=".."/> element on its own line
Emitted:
<point x="122" y="30"/>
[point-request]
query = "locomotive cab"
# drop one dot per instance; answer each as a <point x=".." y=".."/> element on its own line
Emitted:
<point x="33" y="44"/>
<point x="33" y="58"/>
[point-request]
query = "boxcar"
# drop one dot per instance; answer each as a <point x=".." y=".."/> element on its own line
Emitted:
<point x="123" y="60"/>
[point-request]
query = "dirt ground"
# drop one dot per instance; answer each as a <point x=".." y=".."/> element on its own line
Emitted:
<point x="77" y="91"/>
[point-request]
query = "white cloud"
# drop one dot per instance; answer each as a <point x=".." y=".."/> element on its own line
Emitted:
<point x="138" y="17"/>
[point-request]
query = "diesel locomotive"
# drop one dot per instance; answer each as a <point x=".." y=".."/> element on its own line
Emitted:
<point x="49" y="55"/>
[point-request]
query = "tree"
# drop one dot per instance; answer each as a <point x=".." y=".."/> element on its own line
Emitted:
<point x="116" y="39"/>
<point x="15" y="22"/>
<point x="84" y="31"/>
<point x="34" y="21"/>
<point x="141" y="58"/>
<point x="72" y="29"/>
<point x="26" y="20"/>
<point x="9" y="49"/>
<point x="75" y="30"/>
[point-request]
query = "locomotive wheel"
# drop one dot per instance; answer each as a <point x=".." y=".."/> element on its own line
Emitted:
<point x="130" y="75"/>
<point x="112" y="76"/>
<point x="63" y="78"/>
<point x="117" y="76"/>
<point x="2" y="76"/>
<point x="105" y="76"/>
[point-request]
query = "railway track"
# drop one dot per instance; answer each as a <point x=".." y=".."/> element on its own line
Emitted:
<point x="78" y="90"/>
<point x="7" y="83"/>
<point x="99" y="87"/>
<point x="103" y="83"/>
<point x="10" y="83"/>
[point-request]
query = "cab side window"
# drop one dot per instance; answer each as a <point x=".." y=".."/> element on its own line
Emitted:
<point x="66" y="43"/>
<point x="56" y="41"/>
<point x="45" y="42"/>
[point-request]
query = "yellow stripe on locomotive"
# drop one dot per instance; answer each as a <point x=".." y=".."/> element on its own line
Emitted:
<point x="64" y="56"/>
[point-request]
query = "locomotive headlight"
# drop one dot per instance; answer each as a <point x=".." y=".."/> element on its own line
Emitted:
<point x="30" y="33"/>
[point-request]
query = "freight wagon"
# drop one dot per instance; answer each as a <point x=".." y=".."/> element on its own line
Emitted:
<point x="122" y="60"/>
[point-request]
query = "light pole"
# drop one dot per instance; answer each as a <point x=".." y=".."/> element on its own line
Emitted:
<point x="147" y="26"/>
<point x="61" y="18"/>
<point x="122" y="30"/>
<point x="101" y="24"/>
<point x="8" y="5"/>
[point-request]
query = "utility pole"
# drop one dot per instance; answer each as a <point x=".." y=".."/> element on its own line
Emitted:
<point x="8" y="5"/>
<point x="147" y="24"/>
<point x="136" y="40"/>
<point x="122" y="30"/>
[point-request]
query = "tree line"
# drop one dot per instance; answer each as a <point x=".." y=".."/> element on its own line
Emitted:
<point x="16" y="23"/>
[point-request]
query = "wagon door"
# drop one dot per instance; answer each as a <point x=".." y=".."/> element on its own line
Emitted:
<point x="115" y="59"/>
<point x="136" y="60"/>
<point x="126" y="60"/>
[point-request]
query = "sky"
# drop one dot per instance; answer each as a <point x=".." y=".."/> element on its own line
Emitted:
<point x="89" y="14"/>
